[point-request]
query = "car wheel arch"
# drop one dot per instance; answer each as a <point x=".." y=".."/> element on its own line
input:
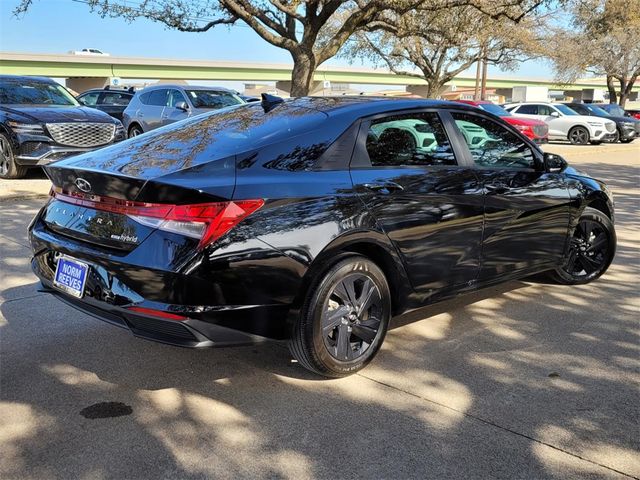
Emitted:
<point x="599" y="203"/>
<point x="133" y="125"/>
<point x="371" y="244"/>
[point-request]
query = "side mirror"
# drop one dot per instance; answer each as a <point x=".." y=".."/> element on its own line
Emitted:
<point x="182" y="106"/>
<point x="554" y="163"/>
<point x="555" y="114"/>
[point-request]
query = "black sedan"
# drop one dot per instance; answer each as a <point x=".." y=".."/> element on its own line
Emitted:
<point x="109" y="100"/>
<point x="313" y="220"/>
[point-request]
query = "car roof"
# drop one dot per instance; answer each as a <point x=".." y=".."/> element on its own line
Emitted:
<point x="363" y="105"/>
<point x="183" y="87"/>
<point x="112" y="90"/>
<point x="23" y="78"/>
<point x="474" y="102"/>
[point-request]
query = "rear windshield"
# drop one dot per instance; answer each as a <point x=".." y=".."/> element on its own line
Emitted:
<point x="212" y="99"/>
<point x="200" y="139"/>
<point x="33" y="92"/>
<point x="495" y="109"/>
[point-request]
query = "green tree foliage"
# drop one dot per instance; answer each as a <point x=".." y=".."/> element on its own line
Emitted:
<point x="601" y="37"/>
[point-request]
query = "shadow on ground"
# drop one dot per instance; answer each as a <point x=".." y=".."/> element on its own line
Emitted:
<point x="525" y="380"/>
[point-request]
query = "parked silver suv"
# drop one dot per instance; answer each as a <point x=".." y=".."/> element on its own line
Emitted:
<point x="160" y="105"/>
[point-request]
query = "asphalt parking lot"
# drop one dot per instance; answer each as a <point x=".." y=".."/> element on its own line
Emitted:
<point x="526" y="380"/>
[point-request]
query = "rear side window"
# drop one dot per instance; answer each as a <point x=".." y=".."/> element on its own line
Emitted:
<point x="492" y="145"/>
<point x="90" y="98"/>
<point x="158" y="98"/>
<point x="412" y="139"/>
<point x="528" y="110"/>
<point x="144" y="98"/>
<point x="115" y="98"/>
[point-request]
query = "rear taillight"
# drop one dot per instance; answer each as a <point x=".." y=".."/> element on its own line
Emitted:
<point x="204" y="221"/>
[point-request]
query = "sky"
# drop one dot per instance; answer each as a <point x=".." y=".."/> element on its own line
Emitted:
<point x="59" y="26"/>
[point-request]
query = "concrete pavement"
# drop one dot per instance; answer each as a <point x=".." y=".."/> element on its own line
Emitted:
<point x="526" y="380"/>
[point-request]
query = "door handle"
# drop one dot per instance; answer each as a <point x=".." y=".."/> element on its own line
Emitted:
<point x="384" y="187"/>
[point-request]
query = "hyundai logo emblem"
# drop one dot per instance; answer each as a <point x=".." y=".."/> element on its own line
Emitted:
<point x="83" y="185"/>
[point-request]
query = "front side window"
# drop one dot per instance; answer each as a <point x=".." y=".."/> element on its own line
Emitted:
<point x="565" y="110"/>
<point x="544" y="110"/>
<point x="412" y="139"/>
<point x="492" y="145"/>
<point x="175" y="97"/>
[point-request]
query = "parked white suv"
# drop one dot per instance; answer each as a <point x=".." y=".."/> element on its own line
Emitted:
<point x="564" y="123"/>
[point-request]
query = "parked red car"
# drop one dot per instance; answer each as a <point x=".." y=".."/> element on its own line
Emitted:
<point x="536" y="130"/>
<point x="634" y="113"/>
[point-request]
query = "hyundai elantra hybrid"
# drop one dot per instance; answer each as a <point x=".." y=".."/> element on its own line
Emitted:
<point x="312" y="220"/>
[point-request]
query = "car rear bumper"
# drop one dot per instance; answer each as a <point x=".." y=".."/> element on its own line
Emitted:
<point x="189" y="333"/>
<point x="204" y="325"/>
<point x="114" y="287"/>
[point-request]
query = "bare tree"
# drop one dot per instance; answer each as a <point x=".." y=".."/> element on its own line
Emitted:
<point x="436" y="46"/>
<point x="603" y="40"/>
<point x="308" y="30"/>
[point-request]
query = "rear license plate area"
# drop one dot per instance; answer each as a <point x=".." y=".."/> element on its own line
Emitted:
<point x="71" y="276"/>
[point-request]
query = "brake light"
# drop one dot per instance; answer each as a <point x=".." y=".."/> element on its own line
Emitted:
<point x="204" y="221"/>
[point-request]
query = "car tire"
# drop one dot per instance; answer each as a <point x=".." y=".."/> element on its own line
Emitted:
<point x="8" y="166"/>
<point x="591" y="250"/>
<point x="578" y="136"/>
<point x="344" y="319"/>
<point x="617" y="137"/>
<point x="134" y="131"/>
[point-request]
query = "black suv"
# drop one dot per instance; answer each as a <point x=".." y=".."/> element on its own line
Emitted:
<point x="627" y="128"/>
<point x="109" y="100"/>
<point x="40" y="122"/>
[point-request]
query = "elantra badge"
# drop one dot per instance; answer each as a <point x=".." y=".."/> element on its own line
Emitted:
<point x="83" y="185"/>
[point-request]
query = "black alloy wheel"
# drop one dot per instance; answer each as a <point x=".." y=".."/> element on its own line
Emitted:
<point x="579" y="136"/>
<point x="591" y="249"/>
<point x="8" y="166"/>
<point x="344" y="319"/>
<point x="134" y="131"/>
<point x="616" y="139"/>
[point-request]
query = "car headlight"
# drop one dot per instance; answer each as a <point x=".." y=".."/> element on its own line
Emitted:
<point x="596" y="124"/>
<point x="26" y="128"/>
<point x="628" y="124"/>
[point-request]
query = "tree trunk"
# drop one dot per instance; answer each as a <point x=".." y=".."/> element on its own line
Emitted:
<point x="304" y="66"/>
<point x="626" y="91"/>
<point x="434" y="88"/>
<point x="613" y="97"/>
